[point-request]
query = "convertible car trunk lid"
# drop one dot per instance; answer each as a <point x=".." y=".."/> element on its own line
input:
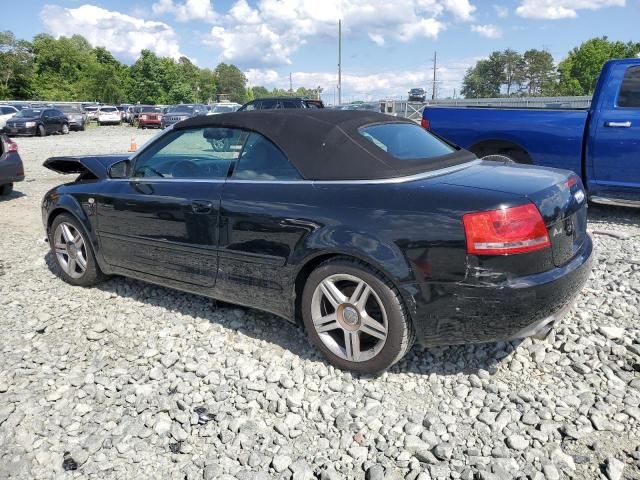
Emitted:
<point x="558" y="194"/>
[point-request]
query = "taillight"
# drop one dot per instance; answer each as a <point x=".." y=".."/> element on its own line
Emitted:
<point x="425" y="123"/>
<point x="571" y="182"/>
<point x="12" y="146"/>
<point x="505" y="231"/>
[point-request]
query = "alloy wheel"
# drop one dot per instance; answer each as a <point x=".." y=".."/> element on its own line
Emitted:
<point x="70" y="249"/>
<point x="349" y="317"/>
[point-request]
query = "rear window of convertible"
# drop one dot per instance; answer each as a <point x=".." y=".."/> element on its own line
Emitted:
<point x="405" y="141"/>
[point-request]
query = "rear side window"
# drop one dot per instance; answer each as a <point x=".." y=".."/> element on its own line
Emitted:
<point x="261" y="160"/>
<point x="629" y="95"/>
<point x="405" y="141"/>
<point x="291" y="104"/>
<point x="269" y="104"/>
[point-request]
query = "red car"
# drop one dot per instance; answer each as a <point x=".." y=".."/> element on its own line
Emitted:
<point x="150" y="117"/>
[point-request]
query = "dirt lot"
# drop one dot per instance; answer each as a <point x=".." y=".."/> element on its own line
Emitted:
<point x="130" y="380"/>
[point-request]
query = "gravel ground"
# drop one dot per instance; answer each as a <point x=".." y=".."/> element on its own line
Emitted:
<point x="129" y="380"/>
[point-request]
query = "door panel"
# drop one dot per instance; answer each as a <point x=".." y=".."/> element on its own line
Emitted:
<point x="615" y="147"/>
<point x="160" y="227"/>
<point x="261" y="226"/>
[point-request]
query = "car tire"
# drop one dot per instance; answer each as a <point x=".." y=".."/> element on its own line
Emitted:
<point x="41" y="131"/>
<point x="63" y="252"/>
<point x="65" y="129"/>
<point x="82" y="128"/>
<point x="381" y="327"/>
<point x="6" y="189"/>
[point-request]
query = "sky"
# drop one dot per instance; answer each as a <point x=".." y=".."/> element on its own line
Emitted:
<point x="388" y="45"/>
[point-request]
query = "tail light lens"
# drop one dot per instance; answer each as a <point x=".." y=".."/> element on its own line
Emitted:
<point x="12" y="146"/>
<point x="425" y="123"/>
<point x="505" y="231"/>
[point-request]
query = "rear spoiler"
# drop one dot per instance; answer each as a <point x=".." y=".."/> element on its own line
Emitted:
<point x="98" y="165"/>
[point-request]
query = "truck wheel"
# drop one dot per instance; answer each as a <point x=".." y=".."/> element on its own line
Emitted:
<point x="6" y="189"/>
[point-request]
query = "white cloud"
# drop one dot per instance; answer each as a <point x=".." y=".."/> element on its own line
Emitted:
<point x="122" y="34"/>
<point x="187" y="10"/>
<point x="367" y="86"/>
<point x="489" y="31"/>
<point x="557" y="9"/>
<point x="271" y="31"/>
<point x="501" y="11"/>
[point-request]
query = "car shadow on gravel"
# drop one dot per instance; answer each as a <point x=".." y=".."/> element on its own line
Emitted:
<point x="12" y="196"/>
<point x="623" y="216"/>
<point x="263" y="326"/>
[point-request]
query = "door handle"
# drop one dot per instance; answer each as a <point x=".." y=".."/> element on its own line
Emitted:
<point x="201" y="206"/>
<point x="626" y="124"/>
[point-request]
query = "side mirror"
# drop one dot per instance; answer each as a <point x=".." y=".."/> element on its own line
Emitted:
<point x="120" y="169"/>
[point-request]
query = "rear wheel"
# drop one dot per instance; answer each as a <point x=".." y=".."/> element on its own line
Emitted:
<point x="73" y="253"/>
<point x="355" y="317"/>
<point x="6" y="189"/>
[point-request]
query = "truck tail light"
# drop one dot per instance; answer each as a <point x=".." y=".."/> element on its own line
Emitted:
<point x="425" y="123"/>
<point x="505" y="231"/>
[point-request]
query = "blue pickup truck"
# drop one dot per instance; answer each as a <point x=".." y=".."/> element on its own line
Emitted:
<point x="601" y="143"/>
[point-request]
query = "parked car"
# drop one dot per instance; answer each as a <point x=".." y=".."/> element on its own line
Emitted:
<point x="92" y="112"/>
<point x="20" y="106"/>
<point x="177" y="113"/>
<point x="123" y="111"/>
<point x="417" y="95"/>
<point x="11" y="168"/>
<point x="225" y="107"/>
<point x="599" y="143"/>
<point x="280" y="103"/>
<point x="371" y="107"/>
<point x="37" y="121"/>
<point x="76" y="117"/>
<point x="366" y="227"/>
<point x="150" y="117"/>
<point x="109" y="115"/>
<point x="6" y="112"/>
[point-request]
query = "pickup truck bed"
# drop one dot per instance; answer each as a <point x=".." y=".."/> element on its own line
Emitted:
<point x="601" y="144"/>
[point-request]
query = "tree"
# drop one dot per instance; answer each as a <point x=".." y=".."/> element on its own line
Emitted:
<point x="231" y="81"/>
<point x="260" y="92"/>
<point x="538" y="72"/>
<point x="580" y="70"/>
<point x="483" y="80"/>
<point x="16" y="66"/>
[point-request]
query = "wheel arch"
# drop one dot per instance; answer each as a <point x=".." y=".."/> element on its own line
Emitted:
<point x="313" y="262"/>
<point x="502" y="147"/>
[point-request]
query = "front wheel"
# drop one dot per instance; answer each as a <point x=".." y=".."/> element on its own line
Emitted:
<point x="73" y="253"/>
<point x="65" y="129"/>
<point x="42" y="132"/>
<point x="355" y="317"/>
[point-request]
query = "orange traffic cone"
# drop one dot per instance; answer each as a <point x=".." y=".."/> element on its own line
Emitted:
<point x="133" y="147"/>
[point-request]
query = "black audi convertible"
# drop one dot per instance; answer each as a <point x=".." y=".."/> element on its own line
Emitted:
<point x="366" y="228"/>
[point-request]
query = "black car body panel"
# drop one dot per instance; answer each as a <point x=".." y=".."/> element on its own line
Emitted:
<point x="256" y="241"/>
<point x="97" y="165"/>
<point x="11" y="167"/>
<point x="280" y="103"/>
<point x="178" y="113"/>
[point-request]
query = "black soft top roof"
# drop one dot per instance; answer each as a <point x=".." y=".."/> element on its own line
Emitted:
<point x="326" y="144"/>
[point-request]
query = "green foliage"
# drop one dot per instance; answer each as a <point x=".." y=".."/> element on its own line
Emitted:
<point x="580" y="70"/>
<point x="510" y="73"/>
<point x="231" y="82"/>
<point x="261" y="92"/>
<point x="16" y="66"/>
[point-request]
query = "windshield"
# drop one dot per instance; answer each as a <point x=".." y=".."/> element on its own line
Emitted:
<point x="405" y="141"/>
<point x="91" y="109"/>
<point x="181" y="109"/>
<point x="108" y="109"/>
<point x="224" y="108"/>
<point x="151" y="110"/>
<point x="28" y="112"/>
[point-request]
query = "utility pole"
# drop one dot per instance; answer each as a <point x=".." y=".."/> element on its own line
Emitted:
<point x="435" y="66"/>
<point x="290" y="84"/>
<point x="339" y="62"/>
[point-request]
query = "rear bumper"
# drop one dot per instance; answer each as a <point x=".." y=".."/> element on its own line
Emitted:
<point x="448" y="314"/>
<point x="11" y="168"/>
